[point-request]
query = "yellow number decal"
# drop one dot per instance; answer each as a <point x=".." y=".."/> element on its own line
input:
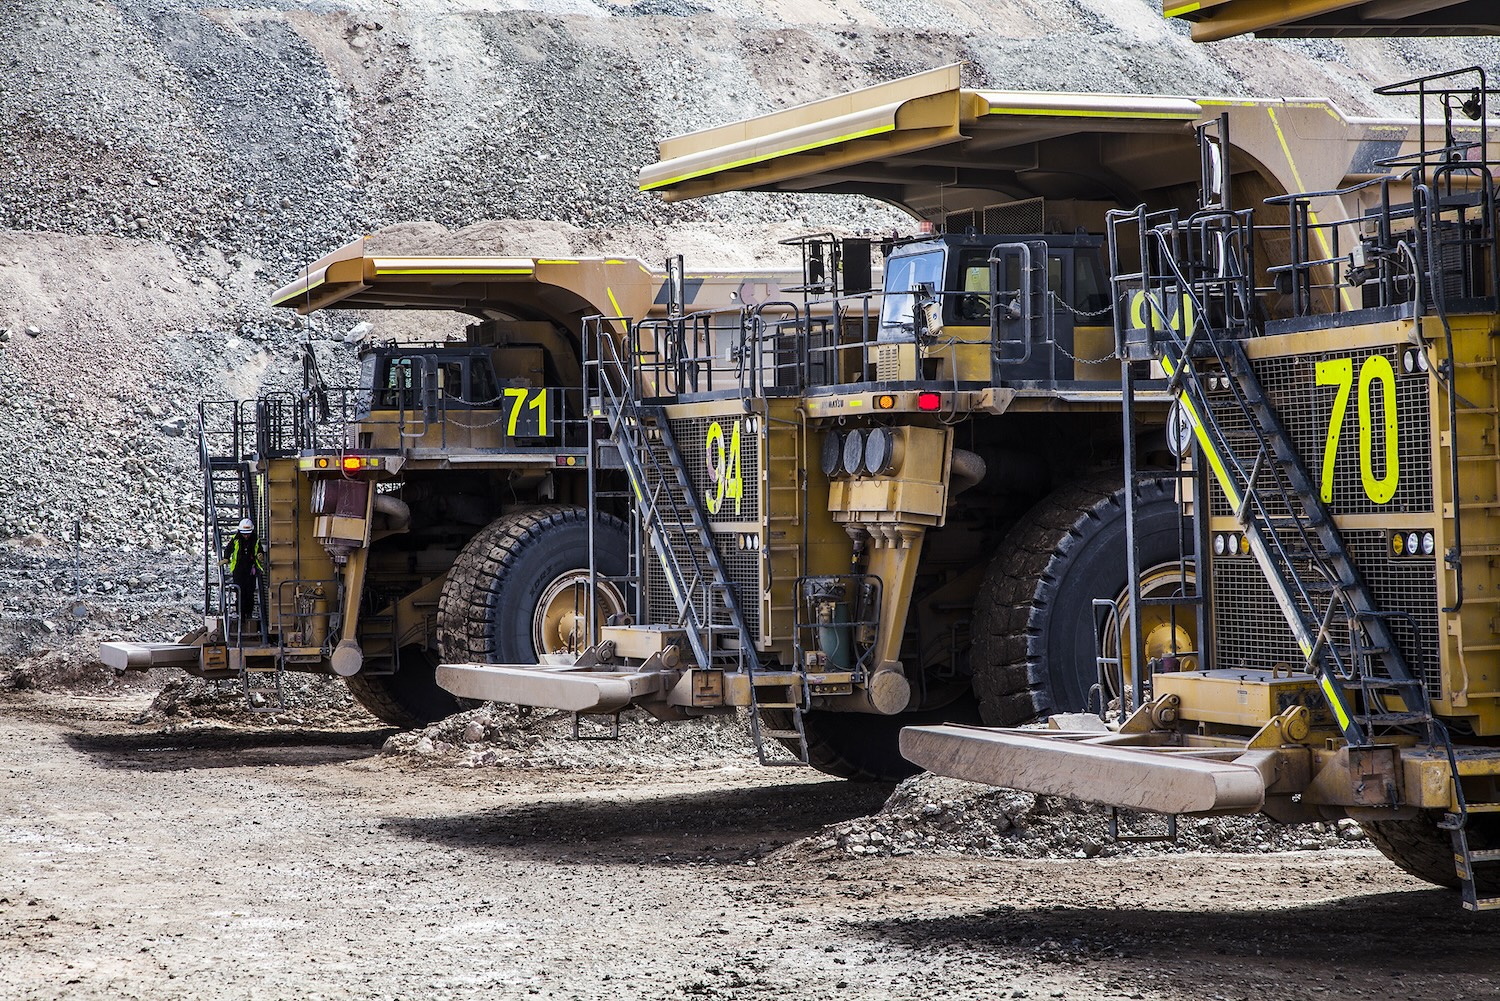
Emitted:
<point x="539" y="404"/>
<point x="1340" y="372"/>
<point x="1377" y="368"/>
<point x="1335" y="372"/>
<point x="724" y="468"/>
<point x="735" y="478"/>
<point x="517" y="397"/>
<point x="1177" y="315"/>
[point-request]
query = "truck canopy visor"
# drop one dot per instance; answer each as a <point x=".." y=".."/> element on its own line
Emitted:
<point x="934" y="148"/>
<point x="1213" y="20"/>
<point x="350" y="278"/>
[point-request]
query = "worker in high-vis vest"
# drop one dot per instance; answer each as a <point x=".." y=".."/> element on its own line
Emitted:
<point x="243" y="560"/>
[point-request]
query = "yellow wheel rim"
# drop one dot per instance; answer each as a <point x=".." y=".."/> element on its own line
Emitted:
<point x="561" y="622"/>
<point x="1166" y="630"/>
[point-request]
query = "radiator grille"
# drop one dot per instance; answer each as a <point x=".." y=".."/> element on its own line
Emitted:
<point x="1024" y="216"/>
<point x="1250" y="632"/>
<point x="741" y="566"/>
<point x="1305" y="409"/>
<point x="691" y="434"/>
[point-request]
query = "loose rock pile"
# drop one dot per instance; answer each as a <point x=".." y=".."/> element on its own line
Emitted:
<point x="518" y="737"/>
<point x="943" y="816"/>
<point x="191" y="703"/>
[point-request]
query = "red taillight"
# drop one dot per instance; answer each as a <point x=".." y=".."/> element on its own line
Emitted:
<point x="352" y="463"/>
<point x="929" y="401"/>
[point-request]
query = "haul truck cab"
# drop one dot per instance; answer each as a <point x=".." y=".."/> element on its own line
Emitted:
<point x="854" y="510"/>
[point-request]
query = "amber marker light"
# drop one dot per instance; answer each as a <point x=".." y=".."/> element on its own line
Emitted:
<point x="885" y="402"/>
<point x="322" y="463"/>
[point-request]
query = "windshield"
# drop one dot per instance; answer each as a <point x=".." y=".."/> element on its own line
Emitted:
<point x="902" y="275"/>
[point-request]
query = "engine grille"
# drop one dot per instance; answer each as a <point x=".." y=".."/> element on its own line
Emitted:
<point x="1305" y="409"/>
<point x="1250" y="632"/>
<point x="691" y="434"/>
<point x="741" y="566"/>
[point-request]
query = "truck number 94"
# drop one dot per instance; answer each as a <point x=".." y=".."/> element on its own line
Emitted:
<point x="1375" y="375"/>
<point x="724" y="467"/>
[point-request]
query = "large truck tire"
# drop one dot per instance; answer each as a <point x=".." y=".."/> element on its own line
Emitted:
<point x="513" y="592"/>
<point x="1033" y="650"/>
<point x="409" y="698"/>
<point x="863" y="747"/>
<point x="1422" y="849"/>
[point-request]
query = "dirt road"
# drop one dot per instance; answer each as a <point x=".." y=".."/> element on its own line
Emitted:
<point x="215" y="863"/>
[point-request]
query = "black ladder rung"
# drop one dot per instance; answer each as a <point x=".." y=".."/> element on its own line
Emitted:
<point x="1395" y="719"/>
<point x="781" y="734"/>
<point x="1487" y="856"/>
<point x="1186" y="599"/>
<point x="1366" y="683"/>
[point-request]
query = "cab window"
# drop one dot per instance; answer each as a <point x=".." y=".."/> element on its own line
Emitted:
<point x="397" y="386"/>
<point x="902" y="275"/>
<point x="483" y="387"/>
<point x="452" y="375"/>
<point x="976" y="279"/>
<point x="1089" y="291"/>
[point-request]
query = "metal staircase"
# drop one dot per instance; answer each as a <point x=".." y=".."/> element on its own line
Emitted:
<point x="233" y="489"/>
<point x="229" y="492"/>
<point x="1345" y="638"/>
<point x="670" y="518"/>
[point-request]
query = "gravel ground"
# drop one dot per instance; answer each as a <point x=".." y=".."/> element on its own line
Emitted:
<point x="278" y="862"/>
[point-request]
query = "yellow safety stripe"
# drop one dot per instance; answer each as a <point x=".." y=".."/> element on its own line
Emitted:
<point x="1312" y="217"/>
<point x="609" y="291"/>
<point x="1335" y="701"/>
<point x="763" y="157"/>
<point x="300" y="293"/>
<point x="1214" y="461"/>
<point x="452" y="271"/>
<point x="1187" y="8"/>
<point x="1089" y="113"/>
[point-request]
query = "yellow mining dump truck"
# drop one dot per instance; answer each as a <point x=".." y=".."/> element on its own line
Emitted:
<point x="854" y="512"/>
<point x="1331" y="353"/>
<point x="436" y="509"/>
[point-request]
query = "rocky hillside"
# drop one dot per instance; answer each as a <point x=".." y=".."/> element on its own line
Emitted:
<point x="168" y="163"/>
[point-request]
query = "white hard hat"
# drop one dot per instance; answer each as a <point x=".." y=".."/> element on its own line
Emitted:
<point x="246" y="526"/>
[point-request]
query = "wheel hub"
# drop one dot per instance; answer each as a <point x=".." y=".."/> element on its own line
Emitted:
<point x="561" y="621"/>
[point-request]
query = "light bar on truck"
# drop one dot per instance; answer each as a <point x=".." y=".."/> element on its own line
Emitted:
<point x="342" y="463"/>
